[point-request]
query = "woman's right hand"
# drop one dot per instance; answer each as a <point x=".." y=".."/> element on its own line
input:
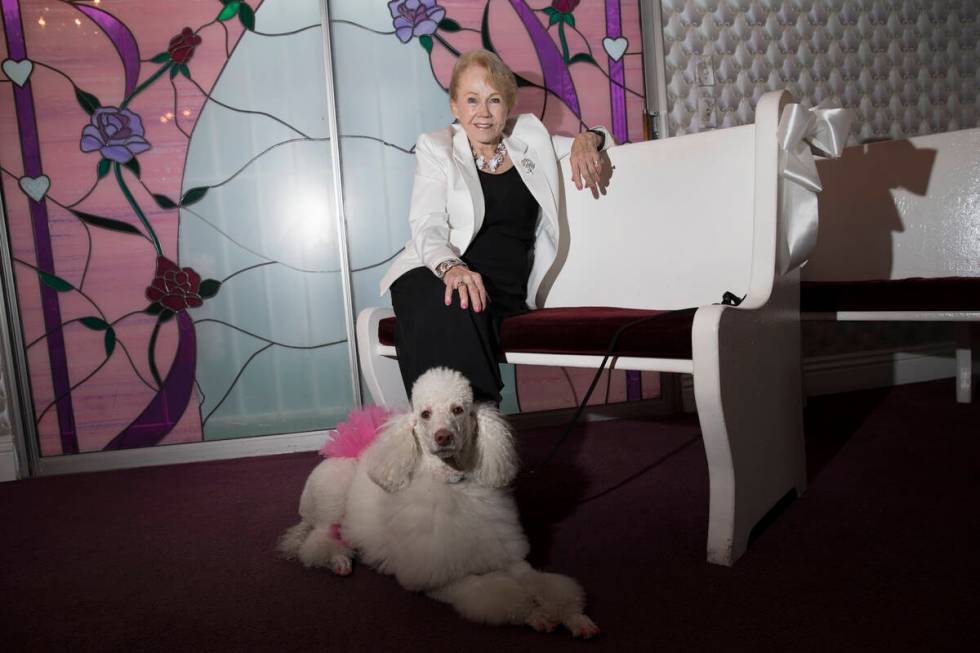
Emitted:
<point x="469" y="284"/>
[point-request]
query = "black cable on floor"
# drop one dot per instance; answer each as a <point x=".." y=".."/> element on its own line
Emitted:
<point x="728" y="299"/>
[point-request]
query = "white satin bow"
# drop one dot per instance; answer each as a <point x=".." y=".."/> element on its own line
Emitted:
<point x="826" y="129"/>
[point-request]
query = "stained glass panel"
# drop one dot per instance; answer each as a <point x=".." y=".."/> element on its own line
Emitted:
<point x="166" y="170"/>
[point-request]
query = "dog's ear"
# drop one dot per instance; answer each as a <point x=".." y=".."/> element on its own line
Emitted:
<point x="496" y="459"/>
<point x="394" y="455"/>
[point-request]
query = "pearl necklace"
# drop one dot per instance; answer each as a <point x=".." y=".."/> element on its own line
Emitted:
<point x="496" y="160"/>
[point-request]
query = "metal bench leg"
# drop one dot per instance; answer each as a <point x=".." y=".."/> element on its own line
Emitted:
<point x="748" y="393"/>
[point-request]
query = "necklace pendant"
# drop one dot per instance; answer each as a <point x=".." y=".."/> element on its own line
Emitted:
<point x="491" y="165"/>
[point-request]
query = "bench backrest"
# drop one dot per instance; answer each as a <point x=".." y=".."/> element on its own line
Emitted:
<point x="899" y="209"/>
<point x="683" y="220"/>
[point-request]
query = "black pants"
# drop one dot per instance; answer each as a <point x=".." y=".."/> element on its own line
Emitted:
<point x="431" y="334"/>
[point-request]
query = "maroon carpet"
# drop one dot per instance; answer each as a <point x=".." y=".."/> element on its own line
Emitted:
<point x="875" y="557"/>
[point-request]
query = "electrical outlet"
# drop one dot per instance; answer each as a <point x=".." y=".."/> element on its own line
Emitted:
<point x="707" y="109"/>
<point x="705" y="71"/>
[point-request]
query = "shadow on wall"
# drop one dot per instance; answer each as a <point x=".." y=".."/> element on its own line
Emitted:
<point x="857" y="209"/>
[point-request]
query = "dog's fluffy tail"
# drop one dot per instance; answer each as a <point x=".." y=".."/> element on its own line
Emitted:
<point x="293" y="538"/>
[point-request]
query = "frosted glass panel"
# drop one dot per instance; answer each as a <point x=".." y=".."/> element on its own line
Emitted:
<point x="386" y="96"/>
<point x="169" y="199"/>
<point x="273" y="356"/>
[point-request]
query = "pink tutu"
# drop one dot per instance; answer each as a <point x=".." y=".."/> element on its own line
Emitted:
<point x="357" y="433"/>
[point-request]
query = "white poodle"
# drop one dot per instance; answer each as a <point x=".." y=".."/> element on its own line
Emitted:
<point x="428" y="502"/>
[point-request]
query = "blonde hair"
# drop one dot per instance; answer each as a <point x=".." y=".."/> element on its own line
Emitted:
<point x="500" y="76"/>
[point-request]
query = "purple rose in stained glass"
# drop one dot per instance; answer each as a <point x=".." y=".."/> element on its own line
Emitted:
<point x="415" y="17"/>
<point x="116" y="133"/>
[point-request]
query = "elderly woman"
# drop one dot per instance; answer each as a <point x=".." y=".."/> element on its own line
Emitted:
<point x="484" y="219"/>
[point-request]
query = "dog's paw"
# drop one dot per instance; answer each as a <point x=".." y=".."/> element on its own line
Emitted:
<point x="542" y="621"/>
<point x="581" y="626"/>
<point x="341" y="565"/>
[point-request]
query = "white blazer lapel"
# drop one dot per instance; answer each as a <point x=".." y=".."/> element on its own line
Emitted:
<point x="531" y="168"/>
<point x="463" y="158"/>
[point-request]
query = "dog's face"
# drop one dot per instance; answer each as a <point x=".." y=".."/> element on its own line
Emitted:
<point x="444" y="424"/>
<point x="445" y="419"/>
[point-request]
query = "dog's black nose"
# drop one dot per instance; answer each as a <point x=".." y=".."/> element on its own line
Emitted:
<point x="444" y="437"/>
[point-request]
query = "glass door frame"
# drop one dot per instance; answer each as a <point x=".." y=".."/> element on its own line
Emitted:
<point x="15" y="383"/>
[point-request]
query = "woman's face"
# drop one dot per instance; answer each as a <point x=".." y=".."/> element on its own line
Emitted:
<point x="479" y="107"/>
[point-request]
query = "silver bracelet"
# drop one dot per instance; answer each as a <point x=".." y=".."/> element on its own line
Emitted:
<point x="448" y="265"/>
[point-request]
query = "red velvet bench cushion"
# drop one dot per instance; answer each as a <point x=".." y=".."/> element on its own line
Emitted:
<point x="914" y="294"/>
<point x="587" y="331"/>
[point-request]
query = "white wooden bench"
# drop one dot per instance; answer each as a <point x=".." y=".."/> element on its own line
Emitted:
<point x="684" y="220"/>
<point x="900" y="239"/>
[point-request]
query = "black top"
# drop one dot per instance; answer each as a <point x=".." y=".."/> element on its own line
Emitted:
<point x="501" y="252"/>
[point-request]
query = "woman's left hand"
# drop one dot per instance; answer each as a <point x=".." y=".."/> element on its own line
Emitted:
<point x="585" y="162"/>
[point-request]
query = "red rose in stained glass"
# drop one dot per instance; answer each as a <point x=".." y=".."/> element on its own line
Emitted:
<point x="173" y="287"/>
<point x="181" y="47"/>
<point x="564" y="6"/>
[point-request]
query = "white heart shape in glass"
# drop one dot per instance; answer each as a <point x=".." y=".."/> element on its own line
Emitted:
<point x="18" y="71"/>
<point x="35" y="187"/>
<point x="615" y="47"/>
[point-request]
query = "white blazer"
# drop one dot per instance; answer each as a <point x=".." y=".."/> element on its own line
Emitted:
<point x="447" y="199"/>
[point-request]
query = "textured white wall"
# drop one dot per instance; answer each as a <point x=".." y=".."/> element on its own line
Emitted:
<point x="907" y="67"/>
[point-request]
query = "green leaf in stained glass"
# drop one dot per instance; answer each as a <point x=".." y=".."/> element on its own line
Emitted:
<point x="448" y="25"/>
<point x="555" y="18"/>
<point x="583" y="56"/>
<point x="163" y="201"/>
<point x="161" y="58"/>
<point x="174" y="69"/>
<point x="549" y="10"/>
<point x="110" y="341"/>
<point x="133" y="165"/>
<point x="230" y="10"/>
<point x="54" y="281"/>
<point x="426" y="42"/>
<point x="184" y="70"/>
<point x="570" y="19"/>
<point x="103" y="168"/>
<point x="95" y="323"/>
<point x="106" y="223"/>
<point x="193" y="195"/>
<point x="209" y="288"/>
<point x="88" y="101"/>
<point x="485" y="30"/>
<point x="247" y="16"/>
<point x="165" y="315"/>
<point x="153" y="309"/>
